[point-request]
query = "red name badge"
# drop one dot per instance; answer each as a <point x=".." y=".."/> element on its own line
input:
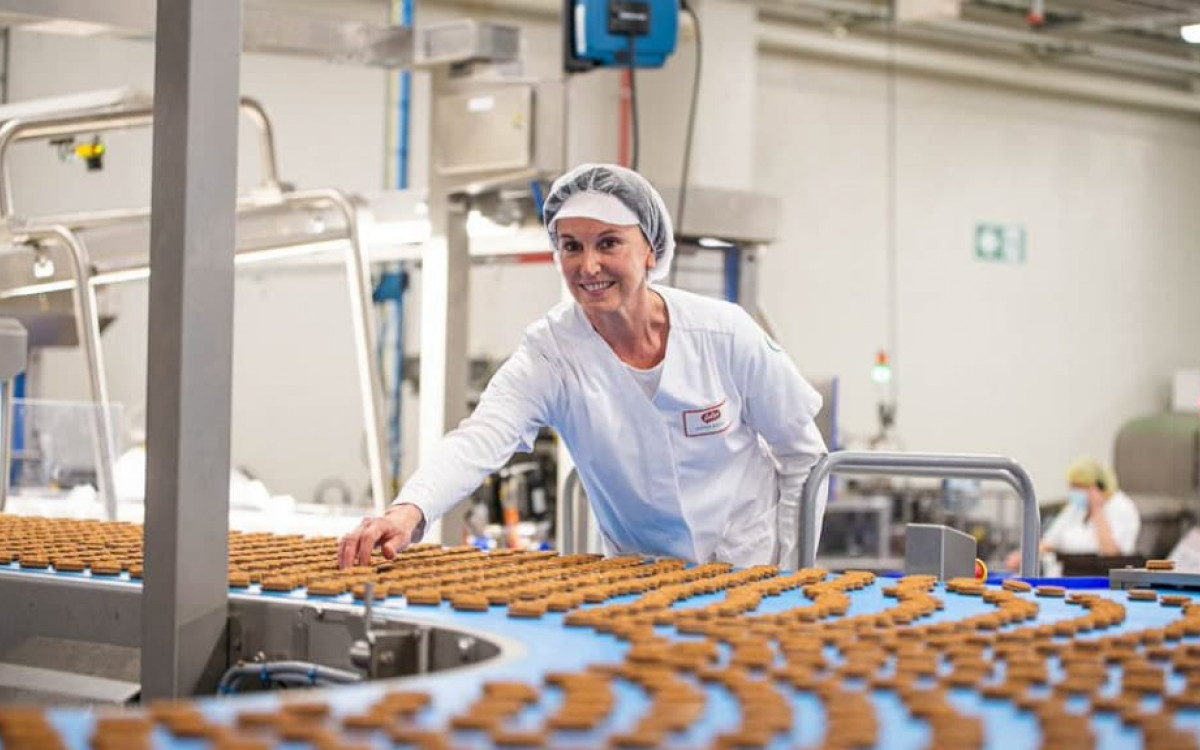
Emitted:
<point x="711" y="420"/>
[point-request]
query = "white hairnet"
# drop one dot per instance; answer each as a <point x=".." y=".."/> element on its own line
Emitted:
<point x="630" y="188"/>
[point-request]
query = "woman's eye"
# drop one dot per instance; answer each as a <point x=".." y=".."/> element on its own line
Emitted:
<point x="570" y="247"/>
<point x="609" y="243"/>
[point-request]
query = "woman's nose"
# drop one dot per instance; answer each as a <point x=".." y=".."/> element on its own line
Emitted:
<point x="590" y="262"/>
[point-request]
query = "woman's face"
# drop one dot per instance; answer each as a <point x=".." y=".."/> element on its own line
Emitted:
<point x="1089" y="494"/>
<point x="604" y="265"/>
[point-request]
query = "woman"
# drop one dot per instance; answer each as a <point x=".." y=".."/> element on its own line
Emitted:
<point x="691" y="430"/>
<point x="1098" y="519"/>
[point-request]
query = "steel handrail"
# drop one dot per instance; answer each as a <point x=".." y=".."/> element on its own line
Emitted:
<point x="87" y="323"/>
<point x="130" y="116"/>
<point x="361" y="314"/>
<point x="945" y="465"/>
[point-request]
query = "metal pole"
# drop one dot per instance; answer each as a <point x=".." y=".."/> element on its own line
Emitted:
<point x="6" y="438"/>
<point x="194" y="198"/>
<point x="87" y="325"/>
<point x="362" y="315"/>
<point x="958" y="466"/>
<point x="445" y="268"/>
<point x="254" y="111"/>
<point x="568" y="538"/>
<point x="445" y="282"/>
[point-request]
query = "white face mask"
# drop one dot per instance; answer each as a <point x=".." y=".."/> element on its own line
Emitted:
<point x="1078" y="498"/>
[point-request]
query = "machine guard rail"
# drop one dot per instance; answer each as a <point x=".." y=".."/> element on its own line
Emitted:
<point x="944" y="465"/>
<point x="121" y="118"/>
<point x="365" y="336"/>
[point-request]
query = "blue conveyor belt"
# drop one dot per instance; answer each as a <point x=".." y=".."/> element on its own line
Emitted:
<point x="546" y="645"/>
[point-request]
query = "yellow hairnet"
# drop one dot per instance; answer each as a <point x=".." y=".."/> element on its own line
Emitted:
<point x="1091" y="473"/>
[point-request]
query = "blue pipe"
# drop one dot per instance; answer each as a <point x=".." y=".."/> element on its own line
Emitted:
<point x="17" y="429"/>
<point x="406" y="20"/>
<point x="539" y="200"/>
<point x="389" y="293"/>
<point x="733" y="273"/>
<point x="398" y="382"/>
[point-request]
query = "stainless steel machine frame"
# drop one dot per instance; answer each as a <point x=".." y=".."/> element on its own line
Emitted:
<point x="942" y="465"/>
<point x="197" y="56"/>
<point x="1132" y="578"/>
<point x="65" y="232"/>
<point x="13" y="351"/>
<point x="108" y="615"/>
<point x="881" y="509"/>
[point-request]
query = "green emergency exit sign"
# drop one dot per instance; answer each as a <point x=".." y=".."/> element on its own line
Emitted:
<point x="1000" y="243"/>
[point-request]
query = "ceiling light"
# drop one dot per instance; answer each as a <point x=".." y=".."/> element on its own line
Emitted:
<point x="1190" y="33"/>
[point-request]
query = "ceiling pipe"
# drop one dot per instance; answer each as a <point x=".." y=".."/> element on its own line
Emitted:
<point x="777" y="39"/>
<point x="962" y="31"/>
<point x="1135" y="58"/>
<point x="1134" y="23"/>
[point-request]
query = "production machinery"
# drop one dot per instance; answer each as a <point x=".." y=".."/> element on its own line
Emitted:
<point x="1157" y="461"/>
<point x="76" y="253"/>
<point x="74" y="593"/>
<point x="866" y="518"/>
<point x="74" y="637"/>
<point x="618" y="33"/>
<point x="47" y="259"/>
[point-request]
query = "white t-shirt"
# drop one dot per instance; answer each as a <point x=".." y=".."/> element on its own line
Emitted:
<point x="1074" y="533"/>
<point x="647" y="379"/>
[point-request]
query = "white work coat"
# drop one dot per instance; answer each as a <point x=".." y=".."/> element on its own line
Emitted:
<point x="710" y="468"/>
<point x="1074" y="531"/>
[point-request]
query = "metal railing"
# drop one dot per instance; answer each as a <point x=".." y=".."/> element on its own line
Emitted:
<point x="940" y="465"/>
<point x="38" y="231"/>
<point x="45" y="127"/>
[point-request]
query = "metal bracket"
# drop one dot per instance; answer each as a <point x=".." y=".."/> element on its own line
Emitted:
<point x="393" y="650"/>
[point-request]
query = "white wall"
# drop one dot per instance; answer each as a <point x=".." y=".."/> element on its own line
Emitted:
<point x="1042" y="361"/>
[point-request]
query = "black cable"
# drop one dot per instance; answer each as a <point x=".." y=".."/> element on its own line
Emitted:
<point x="891" y="218"/>
<point x="633" y="112"/>
<point x="691" y="124"/>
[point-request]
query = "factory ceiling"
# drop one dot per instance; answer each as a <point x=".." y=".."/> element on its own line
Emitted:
<point x="1137" y="39"/>
<point x="1130" y="38"/>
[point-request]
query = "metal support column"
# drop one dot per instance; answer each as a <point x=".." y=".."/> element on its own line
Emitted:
<point x="445" y="283"/>
<point x="197" y="54"/>
<point x="445" y="280"/>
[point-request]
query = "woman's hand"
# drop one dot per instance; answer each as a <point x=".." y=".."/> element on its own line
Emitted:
<point x="1013" y="561"/>
<point x="391" y="532"/>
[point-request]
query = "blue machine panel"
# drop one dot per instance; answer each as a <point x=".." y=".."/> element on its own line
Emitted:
<point x="604" y="31"/>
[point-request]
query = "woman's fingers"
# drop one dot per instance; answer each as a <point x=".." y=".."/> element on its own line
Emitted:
<point x="356" y="547"/>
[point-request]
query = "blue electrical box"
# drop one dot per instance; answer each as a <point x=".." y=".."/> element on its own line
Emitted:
<point x="619" y="33"/>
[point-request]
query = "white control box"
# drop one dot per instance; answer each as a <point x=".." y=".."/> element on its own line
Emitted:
<point x="1185" y="393"/>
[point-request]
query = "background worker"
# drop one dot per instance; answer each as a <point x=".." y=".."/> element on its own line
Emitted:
<point x="1098" y="518"/>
